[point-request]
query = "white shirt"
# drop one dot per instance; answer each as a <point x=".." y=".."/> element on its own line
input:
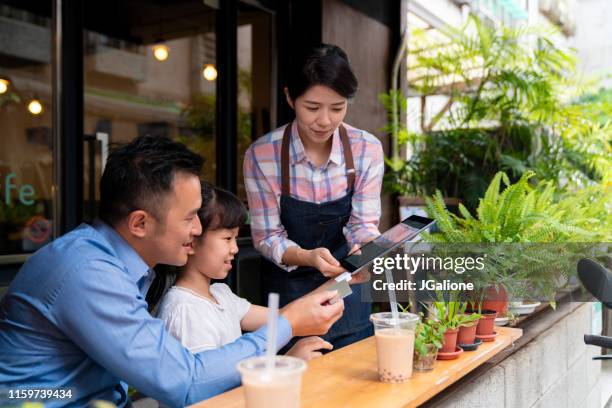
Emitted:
<point x="198" y="322"/>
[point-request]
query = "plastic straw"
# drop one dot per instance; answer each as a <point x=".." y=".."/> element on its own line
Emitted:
<point x="392" y="298"/>
<point x="271" y="340"/>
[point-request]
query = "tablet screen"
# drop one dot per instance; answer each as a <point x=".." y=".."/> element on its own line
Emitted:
<point x="405" y="230"/>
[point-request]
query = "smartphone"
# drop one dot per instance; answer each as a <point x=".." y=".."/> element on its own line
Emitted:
<point x="398" y="234"/>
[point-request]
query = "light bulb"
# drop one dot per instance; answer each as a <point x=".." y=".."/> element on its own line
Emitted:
<point x="209" y="72"/>
<point x="161" y="52"/>
<point x="4" y="84"/>
<point x="35" y="107"/>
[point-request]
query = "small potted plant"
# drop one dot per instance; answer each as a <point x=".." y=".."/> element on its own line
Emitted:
<point x="445" y="314"/>
<point x="505" y="319"/>
<point x="486" y="321"/>
<point x="427" y="341"/>
<point x="468" y="323"/>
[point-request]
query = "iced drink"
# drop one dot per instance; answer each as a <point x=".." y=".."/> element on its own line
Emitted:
<point x="394" y="345"/>
<point x="269" y="389"/>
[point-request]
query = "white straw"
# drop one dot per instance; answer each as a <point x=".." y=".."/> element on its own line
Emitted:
<point x="392" y="298"/>
<point x="272" y="319"/>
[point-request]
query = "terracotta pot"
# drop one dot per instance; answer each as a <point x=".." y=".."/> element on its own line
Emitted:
<point x="486" y="322"/>
<point x="496" y="300"/>
<point x="450" y="341"/>
<point x="467" y="334"/>
<point x="426" y="362"/>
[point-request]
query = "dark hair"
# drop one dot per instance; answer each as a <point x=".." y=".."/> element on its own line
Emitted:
<point x="324" y="64"/>
<point x="139" y="174"/>
<point x="220" y="209"/>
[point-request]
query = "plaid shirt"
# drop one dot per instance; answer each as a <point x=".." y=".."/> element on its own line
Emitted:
<point x="262" y="176"/>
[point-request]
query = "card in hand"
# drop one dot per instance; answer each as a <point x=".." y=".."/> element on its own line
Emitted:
<point x="343" y="288"/>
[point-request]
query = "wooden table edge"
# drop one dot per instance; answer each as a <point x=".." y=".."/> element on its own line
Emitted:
<point x="234" y="398"/>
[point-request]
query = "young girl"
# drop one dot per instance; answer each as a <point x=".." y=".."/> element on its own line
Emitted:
<point x="204" y="316"/>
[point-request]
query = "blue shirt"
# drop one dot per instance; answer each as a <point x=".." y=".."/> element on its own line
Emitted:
<point x="75" y="316"/>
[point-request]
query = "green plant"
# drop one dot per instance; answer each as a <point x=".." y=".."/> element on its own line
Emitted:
<point x="600" y="104"/>
<point x="511" y="105"/>
<point x="428" y="333"/>
<point x="8" y="98"/>
<point x="529" y="216"/>
<point x="467" y="319"/>
<point x="16" y="214"/>
<point x="403" y="177"/>
<point x="519" y="213"/>
<point x="404" y="309"/>
<point x="512" y="318"/>
<point x="447" y="312"/>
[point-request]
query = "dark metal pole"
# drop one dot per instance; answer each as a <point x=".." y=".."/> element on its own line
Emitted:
<point x="227" y="95"/>
<point x="91" y="142"/>
<point x="67" y="114"/>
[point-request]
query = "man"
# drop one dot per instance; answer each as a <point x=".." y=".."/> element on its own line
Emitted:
<point x="75" y="317"/>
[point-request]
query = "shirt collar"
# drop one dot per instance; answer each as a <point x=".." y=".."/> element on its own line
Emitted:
<point x="299" y="154"/>
<point x="335" y="155"/>
<point x="297" y="148"/>
<point x="136" y="266"/>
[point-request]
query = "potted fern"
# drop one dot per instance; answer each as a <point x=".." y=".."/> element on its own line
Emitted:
<point x="518" y="214"/>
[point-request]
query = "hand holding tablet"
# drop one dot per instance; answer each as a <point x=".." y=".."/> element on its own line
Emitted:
<point x="360" y="257"/>
<point x="392" y="238"/>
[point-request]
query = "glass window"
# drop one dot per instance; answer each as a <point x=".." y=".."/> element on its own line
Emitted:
<point x="26" y="158"/>
<point x="255" y="85"/>
<point x="156" y="78"/>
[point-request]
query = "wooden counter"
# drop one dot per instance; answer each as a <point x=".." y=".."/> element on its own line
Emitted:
<point x="349" y="377"/>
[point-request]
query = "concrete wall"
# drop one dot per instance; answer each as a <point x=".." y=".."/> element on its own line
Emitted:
<point x="367" y="42"/>
<point x="554" y="370"/>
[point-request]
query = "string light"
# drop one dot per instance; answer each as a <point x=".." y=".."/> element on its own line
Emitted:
<point x="209" y="72"/>
<point x="161" y="52"/>
<point x="4" y="85"/>
<point x="35" y="107"/>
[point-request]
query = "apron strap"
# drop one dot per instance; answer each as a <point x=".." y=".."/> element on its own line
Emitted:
<point x="348" y="160"/>
<point x="285" y="185"/>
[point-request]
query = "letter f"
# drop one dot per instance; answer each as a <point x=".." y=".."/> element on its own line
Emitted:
<point x="7" y="187"/>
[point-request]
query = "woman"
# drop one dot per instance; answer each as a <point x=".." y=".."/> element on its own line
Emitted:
<point x="313" y="188"/>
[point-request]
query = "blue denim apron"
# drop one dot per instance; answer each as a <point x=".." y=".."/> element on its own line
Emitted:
<point x="311" y="226"/>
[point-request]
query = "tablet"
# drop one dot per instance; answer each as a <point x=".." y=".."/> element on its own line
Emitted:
<point x="398" y="234"/>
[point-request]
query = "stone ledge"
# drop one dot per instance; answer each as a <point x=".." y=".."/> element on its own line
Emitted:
<point x="544" y="381"/>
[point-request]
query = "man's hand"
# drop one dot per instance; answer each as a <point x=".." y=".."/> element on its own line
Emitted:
<point x="312" y="314"/>
<point x="324" y="261"/>
<point x="308" y="348"/>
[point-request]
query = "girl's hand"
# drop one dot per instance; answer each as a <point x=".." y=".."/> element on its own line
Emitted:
<point x="307" y="348"/>
<point x="324" y="261"/>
